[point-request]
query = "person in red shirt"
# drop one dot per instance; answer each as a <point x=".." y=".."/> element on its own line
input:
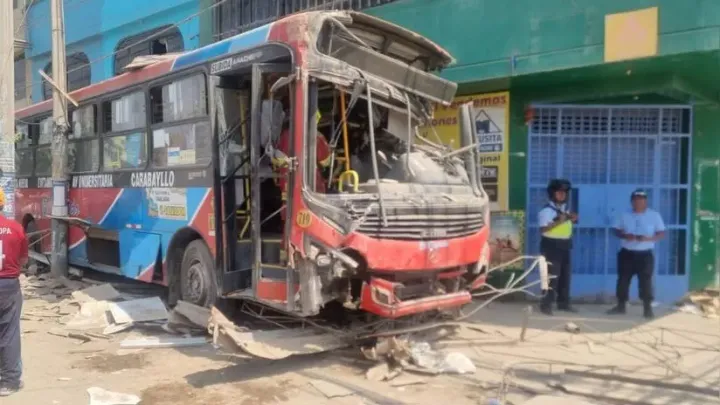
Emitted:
<point x="13" y="256"/>
<point x="323" y="156"/>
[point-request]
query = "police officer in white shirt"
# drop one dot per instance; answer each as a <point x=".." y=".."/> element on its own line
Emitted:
<point x="639" y="229"/>
<point x="556" y="226"/>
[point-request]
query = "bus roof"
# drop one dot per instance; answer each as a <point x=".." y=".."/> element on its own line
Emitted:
<point x="272" y="32"/>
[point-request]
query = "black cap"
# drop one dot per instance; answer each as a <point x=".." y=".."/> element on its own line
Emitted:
<point x="638" y="193"/>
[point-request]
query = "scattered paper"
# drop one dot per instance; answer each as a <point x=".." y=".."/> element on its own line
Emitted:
<point x="99" y="396"/>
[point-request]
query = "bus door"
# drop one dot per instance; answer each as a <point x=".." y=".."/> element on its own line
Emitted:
<point x="249" y="199"/>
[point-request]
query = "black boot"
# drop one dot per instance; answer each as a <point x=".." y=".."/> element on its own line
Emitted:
<point x="647" y="310"/>
<point x="546" y="309"/>
<point x="618" y="309"/>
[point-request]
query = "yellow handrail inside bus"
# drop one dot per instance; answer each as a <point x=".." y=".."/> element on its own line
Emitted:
<point x="354" y="178"/>
<point x="346" y="149"/>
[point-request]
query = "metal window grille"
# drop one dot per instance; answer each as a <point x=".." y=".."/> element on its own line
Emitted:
<point x="236" y="16"/>
<point x="169" y="42"/>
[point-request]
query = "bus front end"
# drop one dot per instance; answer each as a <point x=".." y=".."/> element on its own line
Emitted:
<point x="401" y="226"/>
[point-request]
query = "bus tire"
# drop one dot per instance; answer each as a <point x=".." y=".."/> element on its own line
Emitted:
<point x="197" y="278"/>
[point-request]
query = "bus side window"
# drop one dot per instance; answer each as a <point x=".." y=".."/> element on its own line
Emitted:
<point x="24" y="156"/>
<point x="124" y="145"/>
<point x="181" y="129"/>
<point x="84" y="146"/>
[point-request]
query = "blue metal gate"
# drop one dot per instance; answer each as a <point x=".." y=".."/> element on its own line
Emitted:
<point x="606" y="152"/>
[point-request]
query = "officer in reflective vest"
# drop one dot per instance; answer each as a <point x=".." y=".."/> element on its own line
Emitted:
<point x="556" y="226"/>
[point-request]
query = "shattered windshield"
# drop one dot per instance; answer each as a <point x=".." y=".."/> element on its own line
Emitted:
<point x="365" y="137"/>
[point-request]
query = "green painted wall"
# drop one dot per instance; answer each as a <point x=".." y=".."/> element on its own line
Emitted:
<point x="552" y="51"/>
<point x="494" y="39"/>
<point x="705" y="244"/>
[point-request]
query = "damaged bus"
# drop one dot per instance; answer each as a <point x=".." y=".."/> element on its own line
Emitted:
<point x="282" y="166"/>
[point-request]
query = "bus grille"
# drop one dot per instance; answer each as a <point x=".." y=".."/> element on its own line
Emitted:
<point x="433" y="224"/>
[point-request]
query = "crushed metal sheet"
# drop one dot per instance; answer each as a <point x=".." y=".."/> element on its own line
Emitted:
<point x="161" y="342"/>
<point x="142" y="310"/>
<point x="330" y="390"/>
<point x="99" y="396"/>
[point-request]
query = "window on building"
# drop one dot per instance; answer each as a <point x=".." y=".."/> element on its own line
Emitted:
<point x="181" y="131"/>
<point x="232" y="17"/>
<point x="84" y="146"/>
<point x="78" y="74"/>
<point x="159" y="41"/>
<point x="124" y="145"/>
<point x="20" y="85"/>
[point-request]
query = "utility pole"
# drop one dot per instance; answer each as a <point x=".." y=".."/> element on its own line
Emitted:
<point x="59" y="260"/>
<point x="7" y="88"/>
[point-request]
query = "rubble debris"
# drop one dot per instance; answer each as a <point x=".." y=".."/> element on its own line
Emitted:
<point x="141" y="310"/>
<point x="330" y="390"/>
<point x="378" y="372"/>
<point x="704" y="302"/>
<point x="270" y="344"/>
<point x="92" y="315"/>
<point x="406" y="379"/>
<point x="72" y="335"/>
<point x="161" y="342"/>
<point x="199" y="316"/>
<point x="99" y="396"/>
<point x="101" y="292"/>
<point x="555" y="400"/>
<point x="425" y="357"/>
<point x="117" y="328"/>
<point x="572" y="327"/>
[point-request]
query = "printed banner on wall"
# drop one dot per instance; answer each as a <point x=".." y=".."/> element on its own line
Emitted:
<point x="491" y="114"/>
<point x="507" y="237"/>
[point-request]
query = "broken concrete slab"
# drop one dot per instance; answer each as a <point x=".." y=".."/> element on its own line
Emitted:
<point x="330" y="390"/>
<point x="142" y="310"/>
<point x="102" y="292"/>
<point x="199" y="316"/>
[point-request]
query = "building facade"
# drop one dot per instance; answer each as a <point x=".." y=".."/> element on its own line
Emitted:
<point x="103" y="36"/>
<point x="611" y="95"/>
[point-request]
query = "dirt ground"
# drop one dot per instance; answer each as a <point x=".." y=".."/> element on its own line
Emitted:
<point x="676" y="346"/>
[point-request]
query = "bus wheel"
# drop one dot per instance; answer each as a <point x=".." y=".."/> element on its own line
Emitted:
<point x="197" y="277"/>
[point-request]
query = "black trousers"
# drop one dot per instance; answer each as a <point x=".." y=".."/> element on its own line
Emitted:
<point x="10" y="308"/>
<point x="629" y="264"/>
<point x="557" y="253"/>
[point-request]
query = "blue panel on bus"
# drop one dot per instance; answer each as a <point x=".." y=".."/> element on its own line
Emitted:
<point x="138" y="251"/>
<point x="237" y="43"/>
